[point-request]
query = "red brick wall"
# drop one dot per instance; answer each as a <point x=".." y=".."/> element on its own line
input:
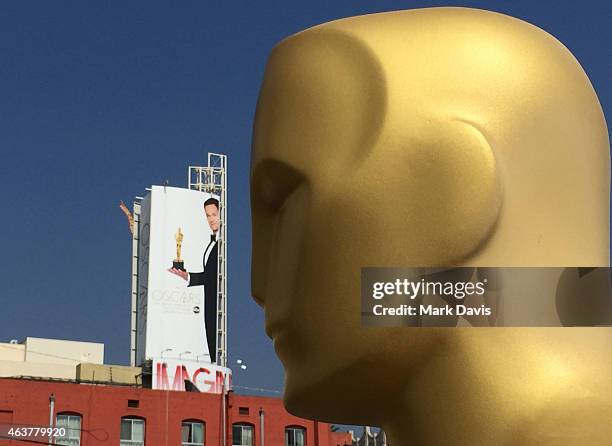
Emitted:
<point x="102" y="407"/>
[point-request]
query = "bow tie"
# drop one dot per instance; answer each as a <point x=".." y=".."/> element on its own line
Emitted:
<point x="213" y="237"/>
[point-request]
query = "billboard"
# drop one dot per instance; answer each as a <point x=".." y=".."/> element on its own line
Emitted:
<point x="172" y="373"/>
<point x="177" y="275"/>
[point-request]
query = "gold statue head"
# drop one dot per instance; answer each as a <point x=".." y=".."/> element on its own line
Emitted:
<point x="428" y="137"/>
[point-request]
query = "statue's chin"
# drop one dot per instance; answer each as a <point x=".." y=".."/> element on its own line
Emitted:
<point x="315" y="404"/>
<point x="347" y="395"/>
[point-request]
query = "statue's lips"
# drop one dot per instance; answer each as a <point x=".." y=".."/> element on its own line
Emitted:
<point x="275" y="329"/>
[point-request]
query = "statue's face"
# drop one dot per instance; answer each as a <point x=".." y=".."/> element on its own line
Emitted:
<point x="326" y="202"/>
<point x="312" y="234"/>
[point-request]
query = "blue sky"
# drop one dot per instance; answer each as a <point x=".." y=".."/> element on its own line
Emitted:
<point x="99" y="100"/>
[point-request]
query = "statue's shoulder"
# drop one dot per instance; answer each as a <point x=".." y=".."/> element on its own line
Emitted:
<point x="572" y="420"/>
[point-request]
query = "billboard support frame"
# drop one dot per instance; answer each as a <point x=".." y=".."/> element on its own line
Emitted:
<point x="135" y="283"/>
<point x="213" y="179"/>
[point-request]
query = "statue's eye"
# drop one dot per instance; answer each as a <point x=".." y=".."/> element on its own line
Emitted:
<point x="272" y="183"/>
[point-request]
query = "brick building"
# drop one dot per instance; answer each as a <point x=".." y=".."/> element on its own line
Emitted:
<point x="129" y="415"/>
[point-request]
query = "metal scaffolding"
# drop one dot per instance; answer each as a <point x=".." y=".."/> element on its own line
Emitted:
<point x="135" y="283"/>
<point x="213" y="180"/>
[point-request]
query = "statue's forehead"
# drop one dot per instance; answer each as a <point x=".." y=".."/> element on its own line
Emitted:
<point x="323" y="98"/>
<point x="330" y="92"/>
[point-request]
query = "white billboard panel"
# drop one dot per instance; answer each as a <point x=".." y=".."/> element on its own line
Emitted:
<point x="177" y="263"/>
<point x="171" y="374"/>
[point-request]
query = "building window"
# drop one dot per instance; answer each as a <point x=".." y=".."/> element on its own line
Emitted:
<point x="242" y="435"/>
<point x="295" y="436"/>
<point x="193" y="433"/>
<point x="132" y="432"/>
<point x="71" y="425"/>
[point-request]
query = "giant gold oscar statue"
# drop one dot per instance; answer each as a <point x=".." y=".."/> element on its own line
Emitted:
<point x="430" y="137"/>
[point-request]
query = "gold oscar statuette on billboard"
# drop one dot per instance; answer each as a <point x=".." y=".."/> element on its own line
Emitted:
<point x="178" y="263"/>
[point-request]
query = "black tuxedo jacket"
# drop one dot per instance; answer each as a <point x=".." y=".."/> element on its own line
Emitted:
<point x="208" y="278"/>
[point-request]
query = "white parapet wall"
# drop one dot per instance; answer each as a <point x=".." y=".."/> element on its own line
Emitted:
<point x="10" y="369"/>
<point x="56" y="351"/>
<point x="48" y="358"/>
<point x="12" y="352"/>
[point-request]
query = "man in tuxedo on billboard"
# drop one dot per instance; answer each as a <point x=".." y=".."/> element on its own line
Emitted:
<point x="208" y="277"/>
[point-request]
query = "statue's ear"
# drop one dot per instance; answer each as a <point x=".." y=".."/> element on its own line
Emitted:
<point x="454" y="168"/>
